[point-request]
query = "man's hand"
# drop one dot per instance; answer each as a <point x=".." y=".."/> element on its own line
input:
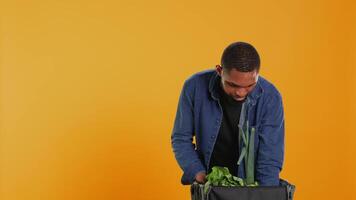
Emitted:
<point x="200" y="177"/>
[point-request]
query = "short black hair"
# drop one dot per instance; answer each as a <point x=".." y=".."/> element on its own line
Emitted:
<point x="241" y="56"/>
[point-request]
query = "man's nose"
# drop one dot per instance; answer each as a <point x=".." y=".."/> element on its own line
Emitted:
<point x="241" y="92"/>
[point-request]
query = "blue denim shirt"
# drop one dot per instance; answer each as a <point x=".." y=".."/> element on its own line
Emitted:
<point x="199" y="114"/>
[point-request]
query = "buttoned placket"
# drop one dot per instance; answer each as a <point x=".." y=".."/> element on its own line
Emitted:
<point x="214" y="137"/>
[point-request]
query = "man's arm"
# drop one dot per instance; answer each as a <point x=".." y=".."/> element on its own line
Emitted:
<point x="182" y="136"/>
<point x="270" y="153"/>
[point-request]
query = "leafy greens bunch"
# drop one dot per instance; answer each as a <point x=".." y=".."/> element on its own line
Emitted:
<point x="220" y="176"/>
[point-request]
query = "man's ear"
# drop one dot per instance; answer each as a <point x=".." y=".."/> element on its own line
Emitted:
<point x="218" y="69"/>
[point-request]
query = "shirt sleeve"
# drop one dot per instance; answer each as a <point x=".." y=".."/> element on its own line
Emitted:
<point x="270" y="153"/>
<point x="182" y="135"/>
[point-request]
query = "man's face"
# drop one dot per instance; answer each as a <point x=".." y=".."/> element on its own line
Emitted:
<point x="237" y="84"/>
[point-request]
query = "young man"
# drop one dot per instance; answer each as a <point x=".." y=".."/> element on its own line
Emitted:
<point x="214" y="103"/>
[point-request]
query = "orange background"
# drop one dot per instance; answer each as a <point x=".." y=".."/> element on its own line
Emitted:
<point x="89" y="91"/>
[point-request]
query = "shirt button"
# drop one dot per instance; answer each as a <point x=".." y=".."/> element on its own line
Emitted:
<point x="213" y="136"/>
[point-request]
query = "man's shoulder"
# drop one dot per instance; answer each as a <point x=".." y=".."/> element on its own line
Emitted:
<point x="200" y="78"/>
<point x="202" y="75"/>
<point x="269" y="89"/>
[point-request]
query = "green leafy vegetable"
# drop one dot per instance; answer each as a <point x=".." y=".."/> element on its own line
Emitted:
<point x="220" y="176"/>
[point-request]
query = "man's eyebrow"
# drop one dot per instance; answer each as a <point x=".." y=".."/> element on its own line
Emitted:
<point x="231" y="83"/>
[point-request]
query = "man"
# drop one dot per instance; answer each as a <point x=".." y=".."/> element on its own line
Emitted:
<point x="214" y="103"/>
